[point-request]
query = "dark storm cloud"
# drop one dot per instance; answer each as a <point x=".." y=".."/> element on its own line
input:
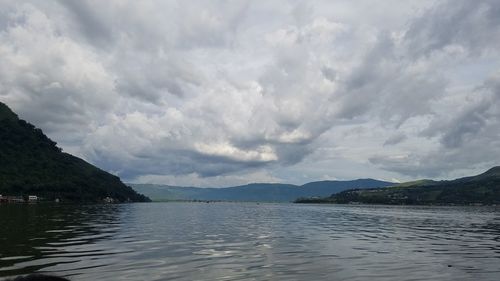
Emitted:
<point x="480" y="117"/>
<point x="162" y="77"/>
<point x="468" y="126"/>
<point x="468" y="140"/>
<point x="396" y="139"/>
<point x="470" y="24"/>
<point x="179" y="162"/>
<point x="91" y="23"/>
<point x="467" y="134"/>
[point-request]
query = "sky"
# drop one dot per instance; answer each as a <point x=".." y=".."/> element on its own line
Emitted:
<point x="221" y="93"/>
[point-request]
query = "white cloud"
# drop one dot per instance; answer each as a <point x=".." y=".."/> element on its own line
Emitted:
<point x="225" y="92"/>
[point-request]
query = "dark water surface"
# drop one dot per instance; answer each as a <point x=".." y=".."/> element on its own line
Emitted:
<point x="231" y="241"/>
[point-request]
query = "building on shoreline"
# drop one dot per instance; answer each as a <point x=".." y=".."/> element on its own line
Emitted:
<point x="11" y="199"/>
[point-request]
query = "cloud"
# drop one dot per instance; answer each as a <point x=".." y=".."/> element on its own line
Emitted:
<point x="464" y="122"/>
<point x="395" y="139"/>
<point x="59" y="84"/>
<point x="471" y="25"/>
<point x="90" y="20"/>
<point x="193" y="91"/>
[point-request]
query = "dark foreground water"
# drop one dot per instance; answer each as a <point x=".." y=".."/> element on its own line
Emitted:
<point x="230" y="241"/>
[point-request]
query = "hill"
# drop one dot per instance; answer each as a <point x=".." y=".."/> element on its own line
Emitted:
<point x="256" y="192"/>
<point x="480" y="189"/>
<point x="32" y="164"/>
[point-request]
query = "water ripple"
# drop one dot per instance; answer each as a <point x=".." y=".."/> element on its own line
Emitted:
<point x="228" y="241"/>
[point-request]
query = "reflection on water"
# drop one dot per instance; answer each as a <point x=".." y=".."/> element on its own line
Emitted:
<point x="229" y="241"/>
<point x="39" y="236"/>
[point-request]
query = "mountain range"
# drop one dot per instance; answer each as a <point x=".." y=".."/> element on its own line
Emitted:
<point x="256" y="192"/>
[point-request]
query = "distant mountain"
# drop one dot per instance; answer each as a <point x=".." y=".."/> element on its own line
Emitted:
<point x="480" y="189"/>
<point x="32" y="164"/>
<point x="256" y="192"/>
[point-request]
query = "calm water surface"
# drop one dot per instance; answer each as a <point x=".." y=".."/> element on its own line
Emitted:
<point x="231" y="241"/>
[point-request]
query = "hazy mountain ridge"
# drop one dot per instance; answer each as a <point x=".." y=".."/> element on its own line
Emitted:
<point x="257" y="192"/>
<point x="480" y="189"/>
<point x="32" y="164"/>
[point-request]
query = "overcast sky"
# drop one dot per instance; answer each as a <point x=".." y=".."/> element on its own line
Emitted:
<point x="219" y="93"/>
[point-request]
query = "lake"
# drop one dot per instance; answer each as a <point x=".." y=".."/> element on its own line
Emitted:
<point x="249" y="241"/>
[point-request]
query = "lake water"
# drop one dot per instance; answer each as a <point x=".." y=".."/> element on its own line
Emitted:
<point x="248" y="241"/>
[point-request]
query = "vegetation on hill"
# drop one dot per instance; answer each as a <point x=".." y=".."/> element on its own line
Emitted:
<point x="480" y="189"/>
<point x="32" y="164"/>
